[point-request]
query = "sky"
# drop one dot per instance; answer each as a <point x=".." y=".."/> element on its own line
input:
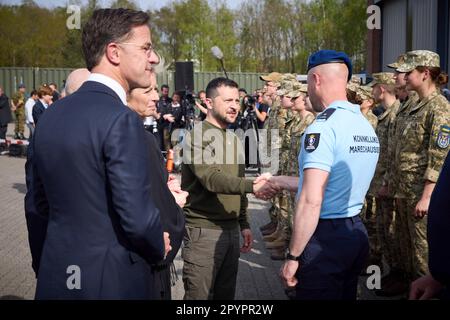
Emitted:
<point x="144" y="4"/>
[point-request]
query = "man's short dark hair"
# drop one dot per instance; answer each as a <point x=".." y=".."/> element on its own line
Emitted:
<point x="242" y="90"/>
<point x="106" y="26"/>
<point x="213" y="85"/>
<point x="164" y="86"/>
<point x="32" y="93"/>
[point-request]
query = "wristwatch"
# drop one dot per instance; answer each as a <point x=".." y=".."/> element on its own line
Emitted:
<point x="289" y="256"/>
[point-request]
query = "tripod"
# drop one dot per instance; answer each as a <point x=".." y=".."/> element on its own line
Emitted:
<point x="252" y="124"/>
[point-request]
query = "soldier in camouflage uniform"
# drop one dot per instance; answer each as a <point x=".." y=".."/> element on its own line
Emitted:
<point x="278" y="240"/>
<point x="362" y="95"/>
<point x="419" y="155"/>
<point x="18" y="106"/>
<point x="379" y="225"/>
<point x="365" y="99"/>
<point x="272" y="83"/>
<point x="395" y="283"/>
<point x="352" y="88"/>
<point x="302" y="121"/>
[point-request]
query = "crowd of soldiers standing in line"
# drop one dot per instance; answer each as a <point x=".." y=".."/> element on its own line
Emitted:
<point x="411" y="118"/>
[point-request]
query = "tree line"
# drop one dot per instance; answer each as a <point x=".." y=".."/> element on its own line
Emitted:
<point x="261" y="36"/>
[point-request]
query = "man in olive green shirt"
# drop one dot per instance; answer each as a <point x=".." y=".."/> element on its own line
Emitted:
<point x="216" y="209"/>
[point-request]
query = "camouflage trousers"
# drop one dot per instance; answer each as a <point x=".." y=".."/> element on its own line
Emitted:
<point x="369" y="217"/>
<point x="273" y="212"/>
<point x="20" y="120"/>
<point x="284" y="213"/>
<point x="412" y="236"/>
<point x="385" y="214"/>
<point x="273" y="168"/>
<point x="270" y="162"/>
<point x="292" y="202"/>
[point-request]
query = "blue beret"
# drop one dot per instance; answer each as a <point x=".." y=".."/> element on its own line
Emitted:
<point x="329" y="56"/>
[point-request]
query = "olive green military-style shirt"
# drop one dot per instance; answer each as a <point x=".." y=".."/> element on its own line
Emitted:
<point x="213" y="172"/>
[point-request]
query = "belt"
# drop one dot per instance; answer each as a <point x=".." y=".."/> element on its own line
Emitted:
<point x="334" y="220"/>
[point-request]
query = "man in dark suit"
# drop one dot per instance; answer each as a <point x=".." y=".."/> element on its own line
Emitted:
<point x="5" y="114"/>
<point x="91" y="175"/>
<point x="45" y="100"/>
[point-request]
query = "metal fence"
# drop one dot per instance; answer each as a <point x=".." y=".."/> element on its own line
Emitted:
<point x="11" y="77"/>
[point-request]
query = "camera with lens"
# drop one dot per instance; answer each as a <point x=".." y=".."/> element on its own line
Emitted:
<point x="188" y="107"/>
<point x="249" y="102"/>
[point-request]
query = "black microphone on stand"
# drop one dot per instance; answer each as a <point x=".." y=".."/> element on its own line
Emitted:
<point x="217" y="53"/>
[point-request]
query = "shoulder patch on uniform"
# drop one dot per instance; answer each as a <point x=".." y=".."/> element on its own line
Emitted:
<point x="443" y="140"/>
<point x="326" y="114"/>
<point x="312" y="142"/>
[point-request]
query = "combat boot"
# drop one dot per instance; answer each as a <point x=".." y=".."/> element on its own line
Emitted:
<point x="274" y="235"/>
<point x="267" y="232"/>
<point x="279" y="242"/>
<point x="267" y="226"/>
<point x="278" y="254"/>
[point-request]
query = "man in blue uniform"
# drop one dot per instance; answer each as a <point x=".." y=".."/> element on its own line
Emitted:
<point x="329" y="244"/>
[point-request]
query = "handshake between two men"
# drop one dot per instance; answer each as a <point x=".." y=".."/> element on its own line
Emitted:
<point x="266" y="186"/>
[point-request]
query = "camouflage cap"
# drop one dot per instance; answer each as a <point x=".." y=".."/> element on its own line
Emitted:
<point x="398" y="62"/>
<point x="382" y="78"/>
<point x="355" y="79"/>
<point x="289" y="77"/>
<point x="291" y="89"/>
<point x="303" y="87"/>
<point x="364" y="92"/>
<point x="419" y="58"/>
<point x="273" y="77"/>
<point x="353" y="87"/>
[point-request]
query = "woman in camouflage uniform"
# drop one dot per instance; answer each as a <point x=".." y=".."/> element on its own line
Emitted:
<point x="419" y="154"/>
<point x="303" y="120"/>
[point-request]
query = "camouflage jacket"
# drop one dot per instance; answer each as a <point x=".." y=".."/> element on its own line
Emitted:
<point x="281" y="118"/>
<point x="298" y="129"/>
<point x="285" y="139"/>
<point x="422" y="145"/>
<point x="385" y="121"/>
<point x="18" y="99"/>
<point x="273" y="123"/>
<point x="395" y="131"/>
<point x="373" y="120"/>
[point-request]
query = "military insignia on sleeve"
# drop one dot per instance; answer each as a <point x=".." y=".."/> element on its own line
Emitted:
<point x="326" y="114"/>
<point x="443" y="137"/>
<point x="312" y="142"/>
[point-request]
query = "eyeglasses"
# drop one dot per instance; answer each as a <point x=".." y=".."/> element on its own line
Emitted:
<point x="148" y="48"/>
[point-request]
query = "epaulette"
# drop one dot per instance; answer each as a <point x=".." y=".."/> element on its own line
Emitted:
<point x="325" y="115"/>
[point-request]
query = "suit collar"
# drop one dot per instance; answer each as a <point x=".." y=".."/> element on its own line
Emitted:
<point x="94" y="86"/>
<point x="110" y="83"/>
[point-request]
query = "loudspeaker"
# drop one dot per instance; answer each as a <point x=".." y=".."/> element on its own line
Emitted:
<point x="184" y="76"/>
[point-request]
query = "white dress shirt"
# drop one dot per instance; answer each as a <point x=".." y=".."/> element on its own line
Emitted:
<point x="29" y="110"/>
